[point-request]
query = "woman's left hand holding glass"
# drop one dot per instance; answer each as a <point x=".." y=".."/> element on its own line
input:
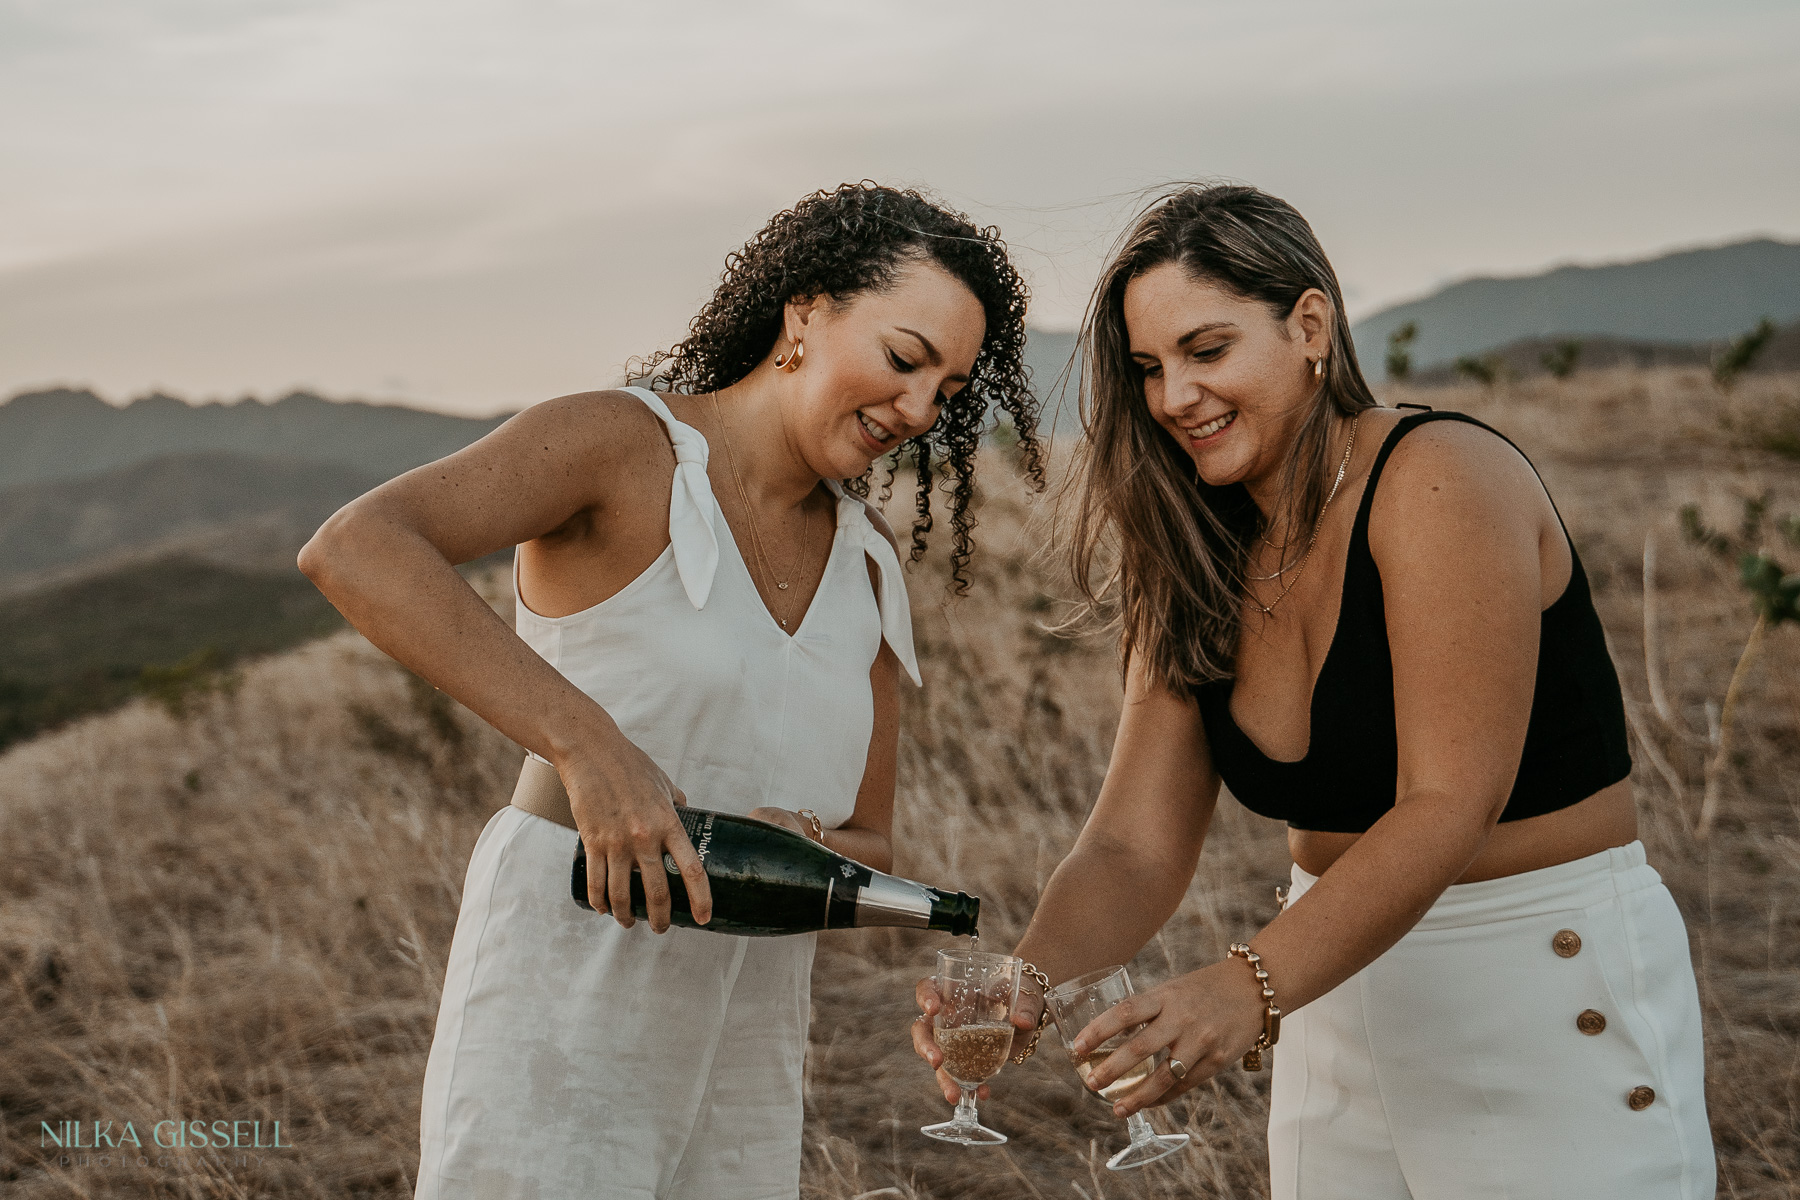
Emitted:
<point x="1204" y="1020"/>
<point x="1024" y="1020"/>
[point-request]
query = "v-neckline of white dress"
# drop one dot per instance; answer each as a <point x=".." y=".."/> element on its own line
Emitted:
<point x="694" y="536"/>
<point x="750" y="578"/>
<point x="837" y="494"/>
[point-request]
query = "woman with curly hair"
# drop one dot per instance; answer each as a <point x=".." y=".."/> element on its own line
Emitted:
<point x="707" y="608"/>
<point x="1372" y="625"/>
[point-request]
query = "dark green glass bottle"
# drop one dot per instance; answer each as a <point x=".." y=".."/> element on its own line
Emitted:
<point x="768" y="881"/>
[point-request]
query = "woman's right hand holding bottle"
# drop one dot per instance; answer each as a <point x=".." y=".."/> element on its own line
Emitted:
<point x="1024" y="1018"/>
<point x="624" y="808"/>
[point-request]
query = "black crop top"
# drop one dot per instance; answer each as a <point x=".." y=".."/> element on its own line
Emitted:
<point x="1575" y="744"/>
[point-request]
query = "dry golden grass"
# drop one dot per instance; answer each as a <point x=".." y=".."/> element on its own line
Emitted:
<point x="244" y="915"/>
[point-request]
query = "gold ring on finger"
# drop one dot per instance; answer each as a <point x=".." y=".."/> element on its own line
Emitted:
<point x="1176" y="1069"/>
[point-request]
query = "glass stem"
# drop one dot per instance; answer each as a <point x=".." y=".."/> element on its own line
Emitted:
<point x="1139" y="1129"/>
<point x="965" y="1107"/>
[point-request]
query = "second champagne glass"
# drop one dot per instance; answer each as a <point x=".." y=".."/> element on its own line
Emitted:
<point x="973" y="1027"/>
<point x="1078" y="1002"/>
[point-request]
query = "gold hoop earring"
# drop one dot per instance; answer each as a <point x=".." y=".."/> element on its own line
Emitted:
<point x="791" y="360"/>
<point x="1319" y="367"/>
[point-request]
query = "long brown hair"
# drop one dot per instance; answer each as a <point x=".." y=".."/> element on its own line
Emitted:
<point x="1177" y="544"/>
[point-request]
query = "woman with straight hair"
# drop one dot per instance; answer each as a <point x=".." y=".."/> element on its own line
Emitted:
<point x="708" y="609"/>
<point x="1372" y="625"/>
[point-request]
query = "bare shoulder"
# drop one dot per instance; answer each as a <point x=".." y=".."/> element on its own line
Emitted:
<point x="560" y="461"/>
<point x="612" y="425"/>
<point x="1459" y="517"/>
<point x="594" y="444"/>
<point x="1456" y="480"/>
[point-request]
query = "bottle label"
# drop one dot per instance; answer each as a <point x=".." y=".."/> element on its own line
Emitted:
<point x="698" y="823"/>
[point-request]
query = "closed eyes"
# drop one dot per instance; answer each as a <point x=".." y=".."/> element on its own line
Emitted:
<point x="1153" y="370"/>
<point x="907" y="368"/>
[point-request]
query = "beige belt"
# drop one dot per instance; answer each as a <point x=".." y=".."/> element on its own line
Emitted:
<point x="540" y="792"/>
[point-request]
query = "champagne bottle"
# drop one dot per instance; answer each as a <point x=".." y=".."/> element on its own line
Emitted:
<point x="767" y="881"/>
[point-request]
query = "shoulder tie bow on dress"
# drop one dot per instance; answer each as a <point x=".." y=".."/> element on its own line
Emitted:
<point x="693" y="532"/>
<point x="856" y="519"/>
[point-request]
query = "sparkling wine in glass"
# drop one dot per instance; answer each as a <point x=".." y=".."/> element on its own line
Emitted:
<point x="1074" y="1004"/>
<point x="974" y="1029"/>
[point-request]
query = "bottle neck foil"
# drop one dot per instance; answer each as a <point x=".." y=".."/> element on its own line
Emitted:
<point x="886" y="900"/>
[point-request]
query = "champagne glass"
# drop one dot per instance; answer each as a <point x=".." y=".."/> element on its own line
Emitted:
<point x="973" y="1027"/>
<point x="1074" y="1004"/>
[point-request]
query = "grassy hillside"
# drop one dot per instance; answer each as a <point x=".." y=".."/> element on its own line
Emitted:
<point x="164" y="629"/>
<point x="1530" y="357"/>
<point x="243" y="912"/>
<point x="193" y="500"/>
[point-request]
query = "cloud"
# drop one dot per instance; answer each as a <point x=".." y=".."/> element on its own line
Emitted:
<point x="494" y="201"/>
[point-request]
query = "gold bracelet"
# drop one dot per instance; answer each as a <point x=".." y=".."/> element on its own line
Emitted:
<point x="1043" y="981"/>
<point x="818" y="826"/>
<point x="1271" y="1030"/>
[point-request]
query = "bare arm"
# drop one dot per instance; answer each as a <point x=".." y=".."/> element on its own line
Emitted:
<point x="1463" y="629"/>
<point x="1135" y="857"/>
<point x="1137" y="852"/>
<point x="387" y="561"/>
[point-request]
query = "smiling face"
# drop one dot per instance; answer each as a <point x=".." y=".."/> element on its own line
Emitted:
<point x="1230" y="381"/>
<point x="879" y="367"/>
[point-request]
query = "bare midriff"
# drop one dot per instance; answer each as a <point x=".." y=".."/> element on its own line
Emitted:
<point x="1602" y="821"/>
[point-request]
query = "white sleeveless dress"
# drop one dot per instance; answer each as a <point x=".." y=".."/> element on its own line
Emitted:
<point x="575" y="1059"/>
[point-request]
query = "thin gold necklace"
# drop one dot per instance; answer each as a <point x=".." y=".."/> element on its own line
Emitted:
<point x="1284" y="568"/>
<point x="1319" y="523"/>
<point x="756" y="541"/>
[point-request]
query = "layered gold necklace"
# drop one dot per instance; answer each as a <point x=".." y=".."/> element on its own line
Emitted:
<point x="1319" y="523"/>
<point x="769" y="576"/>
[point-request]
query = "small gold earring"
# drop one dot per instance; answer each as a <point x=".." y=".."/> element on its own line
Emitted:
<point x="791" y="360"/>
<point x="1319" y="367"/>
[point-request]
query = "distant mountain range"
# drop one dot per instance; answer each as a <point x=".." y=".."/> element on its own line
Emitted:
<point x="66" y="434"/>
<point x="147" y="546"/>
<point x="1048" y="354"/>
<point x="1678" y="309"/>
<point x="1688" y="296"/>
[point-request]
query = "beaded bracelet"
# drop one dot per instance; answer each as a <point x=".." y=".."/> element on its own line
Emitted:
<point x="1271" y="1030"/>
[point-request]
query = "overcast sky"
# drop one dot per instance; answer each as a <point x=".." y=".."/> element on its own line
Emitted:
<point x="475" y="205"/>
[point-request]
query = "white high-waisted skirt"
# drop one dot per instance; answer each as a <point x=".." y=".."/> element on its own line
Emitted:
<point x="1532" y="1036"/>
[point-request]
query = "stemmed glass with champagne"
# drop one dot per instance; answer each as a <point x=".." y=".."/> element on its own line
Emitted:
<point x="973" y="1027"/>
<point x="1074" y="1005"/>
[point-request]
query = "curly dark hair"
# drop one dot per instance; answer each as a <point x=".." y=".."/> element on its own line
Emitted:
<point x="856" y="239"/>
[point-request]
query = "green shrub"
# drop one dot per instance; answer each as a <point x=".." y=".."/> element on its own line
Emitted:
<point x="1561" y="360"/>
<point x="1484" y="370"/>
<point x="1742" y="354"/>
<point x="177" y="685"/>
<point x="1774" y="597"/>
<point x="1399" y="351"/>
